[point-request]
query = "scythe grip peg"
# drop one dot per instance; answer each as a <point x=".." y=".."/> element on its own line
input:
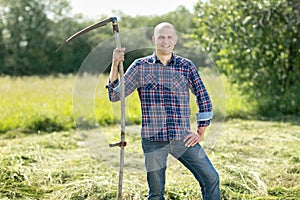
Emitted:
<point x="119" y="144"/>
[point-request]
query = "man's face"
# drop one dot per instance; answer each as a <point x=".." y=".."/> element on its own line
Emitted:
<point x="164" y="40"/>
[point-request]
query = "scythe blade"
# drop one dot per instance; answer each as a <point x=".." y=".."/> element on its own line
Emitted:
<point x="87" y="29"/>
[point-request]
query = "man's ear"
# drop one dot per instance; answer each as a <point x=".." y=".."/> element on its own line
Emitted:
<point x="176" y="39"/>
<point x="153" y="39"/>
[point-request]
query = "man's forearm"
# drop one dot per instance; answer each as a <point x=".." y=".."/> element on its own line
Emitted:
<point x="113" y="73"/>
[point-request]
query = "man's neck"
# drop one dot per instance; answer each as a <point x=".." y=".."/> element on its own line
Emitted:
<point x="164" y="58"/>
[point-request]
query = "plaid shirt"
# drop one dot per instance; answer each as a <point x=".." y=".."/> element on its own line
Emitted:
<point x="164" y="96"/>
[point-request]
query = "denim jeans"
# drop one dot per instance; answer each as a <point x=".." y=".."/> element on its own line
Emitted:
<point x="194" y="158"/>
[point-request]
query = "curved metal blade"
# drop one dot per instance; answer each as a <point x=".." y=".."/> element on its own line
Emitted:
<point x="87" y="29"/>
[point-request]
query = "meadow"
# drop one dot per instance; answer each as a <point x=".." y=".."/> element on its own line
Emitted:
<point x="44" y="156"/>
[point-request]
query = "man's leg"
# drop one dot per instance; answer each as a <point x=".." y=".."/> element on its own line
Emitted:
<point x="156" y="154"/>
<point x="196" y="160"/>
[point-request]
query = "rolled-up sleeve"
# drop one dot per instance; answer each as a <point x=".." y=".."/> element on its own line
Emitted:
<point x="203" y="99"/>
<point x="113" y="90"/>
<point x="203" y="118"/>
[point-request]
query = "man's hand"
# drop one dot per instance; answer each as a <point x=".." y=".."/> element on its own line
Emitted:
<point x="194" y="138"/>
<point x="118" y="55"/>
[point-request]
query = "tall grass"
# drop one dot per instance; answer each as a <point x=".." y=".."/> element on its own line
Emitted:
<point x="31" y="104"/>
<point x="35" y="103"/>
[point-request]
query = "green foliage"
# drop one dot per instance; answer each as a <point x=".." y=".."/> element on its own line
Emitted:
<point x="256" y="45"/>
<point x="31" y="31"/>
<point x="181" y="18"/>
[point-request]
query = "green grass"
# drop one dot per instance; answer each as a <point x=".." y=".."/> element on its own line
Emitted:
<point x="36" y="104"/>
<point x="255" y="160"/>
<point x="45" y="104"/>
<point x="43" y="157"/>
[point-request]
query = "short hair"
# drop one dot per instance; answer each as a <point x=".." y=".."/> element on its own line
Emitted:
<point x="164" y="25"/>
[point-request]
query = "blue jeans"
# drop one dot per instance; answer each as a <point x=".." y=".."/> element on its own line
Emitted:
<point x="194" y="158"/>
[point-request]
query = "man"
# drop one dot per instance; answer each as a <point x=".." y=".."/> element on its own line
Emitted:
<point x="163" y="81"/>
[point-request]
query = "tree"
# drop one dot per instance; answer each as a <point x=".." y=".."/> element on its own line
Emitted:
<point x="32" y="31"/>
<point x="1" y="45"/>
<point x="256" y="44"/>
<point x="25" y="25"/>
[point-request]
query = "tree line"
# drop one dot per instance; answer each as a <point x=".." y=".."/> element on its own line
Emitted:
<point x="254" y="43"/>
<point x="32" y="30"/>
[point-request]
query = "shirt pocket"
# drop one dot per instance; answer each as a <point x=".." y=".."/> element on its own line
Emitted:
<point x="181" y="93"/>
<point x="149" y="83"/>
<point x="180" y="84"/>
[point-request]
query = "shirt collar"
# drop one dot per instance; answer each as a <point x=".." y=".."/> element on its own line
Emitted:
<point x="154" y="59"/>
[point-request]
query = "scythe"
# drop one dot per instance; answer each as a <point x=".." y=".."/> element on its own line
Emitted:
<point x="122" y="143"/>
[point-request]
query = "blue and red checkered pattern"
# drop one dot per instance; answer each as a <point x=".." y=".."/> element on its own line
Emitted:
<point x="164" y="96"/>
